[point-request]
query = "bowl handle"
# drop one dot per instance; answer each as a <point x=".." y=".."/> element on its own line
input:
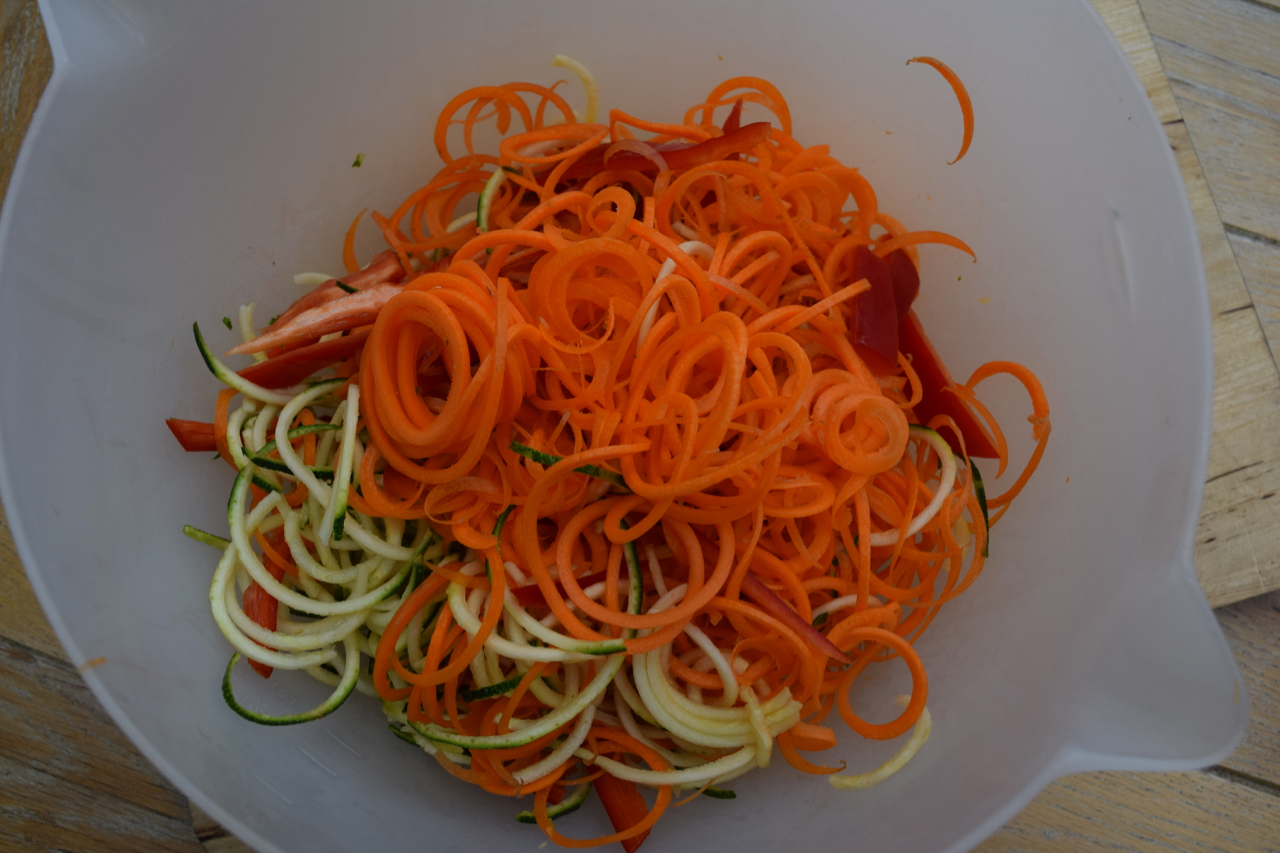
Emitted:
<point x="1166" y="693"/>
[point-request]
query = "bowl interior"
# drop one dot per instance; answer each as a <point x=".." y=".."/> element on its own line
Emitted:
<point x="199" y="155"/>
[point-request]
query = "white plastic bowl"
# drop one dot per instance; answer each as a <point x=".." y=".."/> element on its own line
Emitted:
<point x="189" y="157"/>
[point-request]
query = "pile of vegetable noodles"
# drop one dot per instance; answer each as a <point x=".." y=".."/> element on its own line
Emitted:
<point x="618" y="478"/>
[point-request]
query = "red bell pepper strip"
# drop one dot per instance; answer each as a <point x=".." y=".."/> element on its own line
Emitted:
<point x="624" y="806"/>
<point x="383" y="269"/>
<point x="341" y="315"/>
<point x="906" y="281"/>
<point x="280" y="372"/>
<point x="292" y="367"/>
<point x="875" y="324"/>
<point x="263" y="610"/>
<point x="718" y="148"/>
<point x="936" y="400"/>
<point x="193" y="435"/>
<point x="755" y="589"/>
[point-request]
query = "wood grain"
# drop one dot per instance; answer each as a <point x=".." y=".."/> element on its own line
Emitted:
<point x="1253" y="629"/>
<point x="27" y="66"/>
<point x="67" y="773"/>
<point x="43" y="813"/>
<point x="1224" y="60"/>
<point x="1238" y="540"/>
<point x="57" y="747"/>
<point x="1181" y="812"/>
<point x="1259" y="260"/>
<point x="1125" y="20"/>
<point x="21" y="618"/>
<point x="211" y="834"/>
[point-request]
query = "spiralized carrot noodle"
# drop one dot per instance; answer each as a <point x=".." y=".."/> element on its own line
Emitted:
<point x="613" y="488"/>
<point x="962" y="95"/>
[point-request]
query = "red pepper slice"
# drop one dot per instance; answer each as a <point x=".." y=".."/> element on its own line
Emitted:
<point x="263" y="610"/>
<point x="193" y="435"/>
<point x="875" y="323"/>
<point x="719" y="148"/>
<point x="934" y="379"/>
<point x="293" y="366"/>
<point x="385" y="267"/>
<point x="624" y="806"/>
<point x="906" y="281"/>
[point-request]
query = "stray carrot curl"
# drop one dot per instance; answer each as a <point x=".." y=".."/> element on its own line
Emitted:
<point x="962" y="95"/>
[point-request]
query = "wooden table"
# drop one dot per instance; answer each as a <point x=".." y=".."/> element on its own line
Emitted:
<point x="70" y="781"/>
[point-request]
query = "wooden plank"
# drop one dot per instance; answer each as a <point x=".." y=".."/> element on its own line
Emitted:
<point x="1143" y="813"/>
<point x="1124" y="19"/>
<point x="26" y="69"/>
<point x="1244" y="31"/>
<point x="27" y="66"/>
<point x="1238" y="538"/>
<point x="1253" y="629"/>
<point x="41" y="813"/>
<point x="80" y="741"/>
<point x="69" y="779"/>
<point x="1259" y="261"/>
<point x="1231" y="133"/>
<point x="21" y="618"/>
<point x="1223" y="61"/>
<point x="1229" y="82"/>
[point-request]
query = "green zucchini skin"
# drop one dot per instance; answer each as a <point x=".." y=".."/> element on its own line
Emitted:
<point x="231" y="379"/>
<point x="499" y="689"/>
<point x="324" y="709"/>
<point x="207" y="538"/>
<point x="719" y="794"/>
<point x="547" y="460"/>
<point x="980" y="490"/>
<point x="566" y="806"/>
